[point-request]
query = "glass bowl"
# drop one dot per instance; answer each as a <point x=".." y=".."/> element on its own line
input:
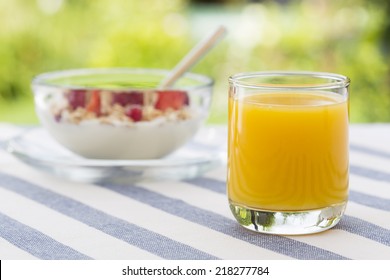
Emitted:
<point x="120" y="113"/>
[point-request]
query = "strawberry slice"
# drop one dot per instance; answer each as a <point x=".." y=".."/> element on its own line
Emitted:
<point x="76" y="98"/>
<point x="129" y="98"/>
<point x="171" y="99"/>
<point x="94" y="103"/>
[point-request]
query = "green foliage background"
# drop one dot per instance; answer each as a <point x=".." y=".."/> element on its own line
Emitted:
<point x="346" y="37"/>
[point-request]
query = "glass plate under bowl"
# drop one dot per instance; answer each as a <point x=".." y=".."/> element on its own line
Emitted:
<point x="205" y="152"/>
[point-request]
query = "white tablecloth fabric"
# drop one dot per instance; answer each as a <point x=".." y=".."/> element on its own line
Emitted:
<point x="45" y="217"/>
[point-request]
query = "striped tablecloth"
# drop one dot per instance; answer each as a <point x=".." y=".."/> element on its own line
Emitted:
<point x="45" y="217"/>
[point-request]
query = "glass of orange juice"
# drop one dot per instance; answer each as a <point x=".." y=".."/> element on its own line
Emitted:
<point x="288" y="162"/>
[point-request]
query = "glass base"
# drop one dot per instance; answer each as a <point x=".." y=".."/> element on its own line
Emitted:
<point x="288" y="222"/>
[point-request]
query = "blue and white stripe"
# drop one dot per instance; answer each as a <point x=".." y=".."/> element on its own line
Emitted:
<point x="44" y="217"/>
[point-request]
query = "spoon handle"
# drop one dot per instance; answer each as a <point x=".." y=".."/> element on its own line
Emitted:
<point x="193" y="57"/>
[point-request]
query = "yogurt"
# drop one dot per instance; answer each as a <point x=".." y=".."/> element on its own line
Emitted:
<point x="103" y="125"/>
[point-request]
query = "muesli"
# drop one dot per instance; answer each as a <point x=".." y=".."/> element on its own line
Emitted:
<point x="121" y="107"/>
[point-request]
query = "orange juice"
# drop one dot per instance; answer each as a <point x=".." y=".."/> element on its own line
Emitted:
<point x="288" y="151"/>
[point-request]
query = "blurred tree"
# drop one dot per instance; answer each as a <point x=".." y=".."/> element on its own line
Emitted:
<point x="336" y="36"/>
<point x="384" y="5"/>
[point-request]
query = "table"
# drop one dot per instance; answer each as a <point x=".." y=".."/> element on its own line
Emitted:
<point x="46" y="217"/>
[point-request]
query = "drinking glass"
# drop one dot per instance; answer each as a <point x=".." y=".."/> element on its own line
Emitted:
<point x="288" y="159"/>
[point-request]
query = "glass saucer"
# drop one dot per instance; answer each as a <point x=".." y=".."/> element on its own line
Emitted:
<point x="205" y="152"/>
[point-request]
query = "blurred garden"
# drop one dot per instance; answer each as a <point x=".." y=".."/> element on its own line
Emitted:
<point x="350" y="37"/>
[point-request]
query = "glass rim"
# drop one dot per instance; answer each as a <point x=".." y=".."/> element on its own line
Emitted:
<point x="239" y="79"/>
<point x="43" y="79"/>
